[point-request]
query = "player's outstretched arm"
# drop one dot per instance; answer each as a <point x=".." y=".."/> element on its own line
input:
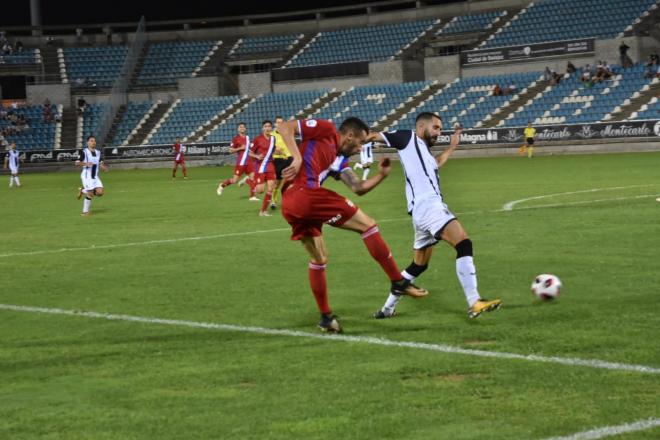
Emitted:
<point x="361" y="187"/>
<point x="444" y="156"/>
<point x="104" y="167"/>
<point x="288" y="131"/>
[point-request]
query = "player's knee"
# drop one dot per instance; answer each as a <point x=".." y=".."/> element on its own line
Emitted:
<point x="98" y="192"/>
<point x="464" y="248"/>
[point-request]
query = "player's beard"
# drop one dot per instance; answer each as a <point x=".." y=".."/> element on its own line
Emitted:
<point x="428" y="138"/>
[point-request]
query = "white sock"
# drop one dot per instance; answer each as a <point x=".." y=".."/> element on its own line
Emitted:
<point x="467" y="276"/>
<point x="87" y="203"/>
<point x="365" y="173"/>
<point x="391" y="303"/>
<point x="18" y="182"/>
<point x="11" y="181"/>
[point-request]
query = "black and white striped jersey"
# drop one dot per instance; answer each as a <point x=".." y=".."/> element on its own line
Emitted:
<point x="13" y="157"/>
<point x="93" y="157"/>
<point x="420" y="168"/>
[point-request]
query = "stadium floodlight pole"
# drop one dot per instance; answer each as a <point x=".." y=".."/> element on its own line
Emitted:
<point x="35" y="16"/>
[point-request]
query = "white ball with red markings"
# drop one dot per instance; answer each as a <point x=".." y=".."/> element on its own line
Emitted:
<point x="546" y="286"/>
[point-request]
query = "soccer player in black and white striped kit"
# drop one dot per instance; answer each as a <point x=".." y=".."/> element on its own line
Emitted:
<point x="12" y="159"/>
<point x="432" y="220"/>
<point x="90" y="160"/>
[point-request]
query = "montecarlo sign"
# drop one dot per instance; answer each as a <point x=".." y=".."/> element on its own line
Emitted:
<point x="517" y="53"/>
<point x="549" y="133"/>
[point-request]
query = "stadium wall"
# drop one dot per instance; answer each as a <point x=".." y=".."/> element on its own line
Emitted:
<point x="199" y="87"/>
<point x="326" y="83"/>
<point x="57" y="93"/>
<point x="443" y="69"/>
<point x="254" y="84"/>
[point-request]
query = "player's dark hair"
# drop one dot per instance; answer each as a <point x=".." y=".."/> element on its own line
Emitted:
<point x="267" y="121"/>
<point x="279" y="117"/>
<point x="90" y="137"/>
<point x="354" y="125"/>
<point x="426" y="116"/>
<point x="241" y="123"/>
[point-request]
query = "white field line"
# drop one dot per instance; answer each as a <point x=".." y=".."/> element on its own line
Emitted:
<point x="509" y="205"/>
<point x="609" y="431"/>
<point x="237" y="234"/>
<point x="574" y="362"/>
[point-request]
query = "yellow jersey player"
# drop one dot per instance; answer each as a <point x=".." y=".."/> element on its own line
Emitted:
<point x="281" y="159"/>
<point x="528" y="146"/>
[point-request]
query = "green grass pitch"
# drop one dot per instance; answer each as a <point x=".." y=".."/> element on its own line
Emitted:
<point x="71" y="377"/>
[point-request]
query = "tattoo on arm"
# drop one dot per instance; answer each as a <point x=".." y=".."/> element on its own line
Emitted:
<point x="351" y="180"/>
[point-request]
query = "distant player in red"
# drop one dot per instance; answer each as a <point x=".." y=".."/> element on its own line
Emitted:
<point x="179" y="158"/>
<point x="307" y="206"/>
<point x="241" y="144"/>
<point x="262" y="150"/>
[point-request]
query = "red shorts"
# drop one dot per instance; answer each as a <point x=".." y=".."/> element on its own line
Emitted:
<point x="307" y="209"/>
<point x="263" y="177"/>
<point x="181" y="160"/>
<point x="239" y="170"/>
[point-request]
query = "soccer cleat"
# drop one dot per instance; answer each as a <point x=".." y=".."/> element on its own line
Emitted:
<point x="273" y="206"/>
<point x="79" y="193"/>
<point x="219" y="190"/>
<point x="254" y="199"/>
<point x="382" y="315"/>
<point x="264" y="214"/>
<point x="85" y="214"/>
<point x="329" y="324"/>
<point x="406" y="287"/>
<point x="483" y="305"/>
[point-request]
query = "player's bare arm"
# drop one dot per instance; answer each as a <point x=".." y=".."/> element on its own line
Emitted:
<point x="288" y="131"/>
<point x="104" y="167"/>
<point x="361" y="187"/>
<point x="374" y="136"/>
<point x="455" y="139"/>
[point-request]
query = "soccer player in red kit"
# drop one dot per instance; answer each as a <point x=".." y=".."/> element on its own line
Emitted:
<point x="307" y="206"/>
<point x="240" y="144"/>
<point x="179" y="158"/>
<point x="262" y="150"/>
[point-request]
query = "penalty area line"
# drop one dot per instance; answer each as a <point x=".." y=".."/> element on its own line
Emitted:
<point x="608" y="431"/>
<point x="369" y="340"/>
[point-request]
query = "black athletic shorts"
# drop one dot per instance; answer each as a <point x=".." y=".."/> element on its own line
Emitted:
<point x="530" y="141"/>
<point x="280" y="165"/>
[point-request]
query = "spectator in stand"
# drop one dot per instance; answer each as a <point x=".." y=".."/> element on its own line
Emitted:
<point x="547" y="74"/>
<point x="82" y="104"/>
<point x="570" y="68"/>
<point x="497" y="90"/>
<point x="586" y="76"/>
<point x="651" y="66"/>
<point x="7" y="49"/>
<point x="510" y="90"/>
<point x="18" y="46"/>
<point x="47" y="112"/>
<point x="624" y="59"/>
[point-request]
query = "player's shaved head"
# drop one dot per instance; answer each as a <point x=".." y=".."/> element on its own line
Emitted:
<point x="354" y="125"/>
<point x="426" y="117"/>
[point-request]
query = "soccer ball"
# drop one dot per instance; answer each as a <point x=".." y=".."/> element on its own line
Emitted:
<point x="546" y="286"/>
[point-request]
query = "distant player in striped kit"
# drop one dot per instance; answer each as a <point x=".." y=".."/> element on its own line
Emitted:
<point x="89" y="159"/>
<point x="12" y="158"/>
<point x="366" y="159"/>
<point x="179" y="159"/>
<point x="241" y="144"/>
<point x="262" y="151"/>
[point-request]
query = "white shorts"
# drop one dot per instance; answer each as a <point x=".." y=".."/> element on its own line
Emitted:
<point x="429" y="216"/>
<point x="13" y="169"/>
<point x="90" y="184"/>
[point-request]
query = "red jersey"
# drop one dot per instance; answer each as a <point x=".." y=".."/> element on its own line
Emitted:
<point x="319" y="150"/>
<point x="241" y="141"/>
<point x="264" y="146"/>
<point x="178" y="152"/>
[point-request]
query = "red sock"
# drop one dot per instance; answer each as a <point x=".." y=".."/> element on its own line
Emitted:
<point x="250" y="182"/>
<point x="266" y="202"/>
<point x="319" y="286"/>
<point x="227" y="182"/>
<point x="381" y="252"/>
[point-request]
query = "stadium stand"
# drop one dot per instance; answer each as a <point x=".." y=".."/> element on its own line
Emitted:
<point x="648" y="111"/>
<point x="134" y="113"/>
<point x="471" y="23"/>
<point x="287" y="105"/>
<point x="165" y="62"/>
<point x="26" y="56"/>
<point x="264" y="45"/>
<point x="370" y="103"/>
<point x="185" y="117"/>
<point x="557" y="20"/>
<point x="93" y="66"/>
<point x="89" y="121"/>
<point x="373" y="43"/>
<point x="39" y="135"/>
<point x="573" y="101"/>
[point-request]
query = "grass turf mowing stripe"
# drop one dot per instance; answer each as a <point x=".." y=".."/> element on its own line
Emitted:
<point x="609" y="431"/>
<point x="576" y="362"/>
